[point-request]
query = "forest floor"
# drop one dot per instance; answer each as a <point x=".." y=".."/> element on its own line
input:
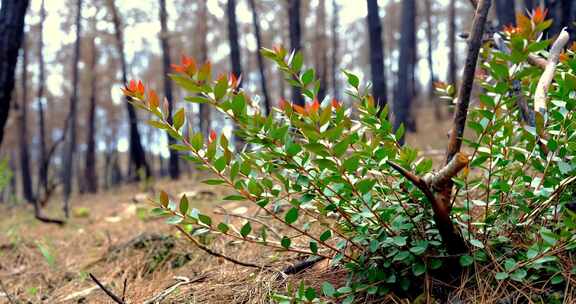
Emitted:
<point x="112" y="236"/>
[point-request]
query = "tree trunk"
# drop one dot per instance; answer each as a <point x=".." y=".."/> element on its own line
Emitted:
<point x="71" y="147"/>
<point x="430" y="39"/>
<point x="43" y="166"/>
<point x="234" y="50"/>
<point x="295" y="41"/>
<point x="404" y="88"/>
<point x="174" y="169"/>
<point x="335" y="44"/>
<point x="12" y="14"/>
<point x="90" y="176"/>
<point x="505" y="11"/>
<point x="137" y="154"/>
<point x="321" y="47"/>
<point x="376" y="54"/>
<point x="261" y="66"/>
<point x="27" y="190"/>
<point x="205" y="116"/>
<point x="452" y="68"/>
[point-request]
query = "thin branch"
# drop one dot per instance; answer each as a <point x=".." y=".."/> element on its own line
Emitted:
<point x="538" y="61"/>
<point x="465" y="90"/>
<point x="541" y="93"/>
<point x="108" y="292"/>
<point x="166" y="292"/>
<point x="224" y="212"/>
<point x="217" y="254"/>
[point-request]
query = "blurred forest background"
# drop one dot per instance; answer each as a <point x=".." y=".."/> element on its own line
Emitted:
<point x="68" y="124"/>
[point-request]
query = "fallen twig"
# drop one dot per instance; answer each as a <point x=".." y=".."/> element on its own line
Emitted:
<point x="166" y="292"/>
<point x="541" y="93"/>
<point x="302" y="265"/>
<point x="108" y="292"/>
<point x="217" y="254"/>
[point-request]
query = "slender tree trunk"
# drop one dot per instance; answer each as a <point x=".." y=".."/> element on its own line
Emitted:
<point x="529" y="4"/>
<point x="376" y="53"/>
<point x="505" y="11"/>
<point x="90" y="176"/>
<point x="404" y="91"/>
<point x="137" y="154"/>
<point x="334" y="59"/>
<point x="234" y="50"/>
<point x="205" y="116"/>
<point x="322" y="48"/>
<point x="12" y="14"/>
<point x="429" y="39"/>
<point x="43" y="166"/>
<point x="70" y="149"/>
<point x="452" y="68"/>
<point x="295" y="41"/>
<point x="174" y="169"/>
<point x="27" y="190"/>
<point x="261" y="65"/>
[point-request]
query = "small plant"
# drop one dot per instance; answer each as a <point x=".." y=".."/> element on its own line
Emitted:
<point x="341" y="186"/>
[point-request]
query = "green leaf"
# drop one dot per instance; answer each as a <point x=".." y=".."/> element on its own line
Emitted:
<point x="285" y="242"/>
<point x="400" y="132"/>
<point x="220" y="164"/>
<point x="174" y="220"/>
<point x="399" y="241"/>
<point x="213" y="182"/>
<point x="223" y="228"/>
<point x="501" y="276"/>
<point x="348" y="300"/>
<point x="220" y="88"/>
<point x="365" y="185"/>
<point x="310" y="293"/>
<point x="466" y="260"/>
<point x="234" y="198"/>
<point x="205" y="219"/>
<point x="307" y="77"/>
<point x="328" y="289"/>
<point x="292" y="148"/>
<point x="254" y="187"/>
<point x="197" y="140"/>
<point x="314" y="247"/>
<point x="326" y="235"/>
<point x="178" y="119"/>
<point x="518" y="275"/>
<point x="418" y="268"/>
<point x="291" y="216"/>
<point x="351" y="164"/>
<point x="477" y="243"/>
<point x="246" y="229"/>
<point x="184" y="205"/>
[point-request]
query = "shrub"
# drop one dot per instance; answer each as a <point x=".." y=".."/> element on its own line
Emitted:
<point x="343" y="188"/>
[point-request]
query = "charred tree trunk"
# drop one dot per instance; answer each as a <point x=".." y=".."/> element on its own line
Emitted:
<point x="234" y="50"/>
<point x="505" y="11"/>
<point x="43" y="166"/>
<point x="70" y="149"/>
<point x="12" y="16"/>
<point x="90" y="176"/>
<point x="295" y="41"/>
<point x="404" y="90"/>
<point x="261" y="66"/>
<point x="376" y="54"/>
<point x="27" y="190"/>
<point x="452" y="68"/>
<point x="137" y="154"/>
<point x="205" y="116"/>
<point x="174" y="169"/>
<point x="334" y="59"/>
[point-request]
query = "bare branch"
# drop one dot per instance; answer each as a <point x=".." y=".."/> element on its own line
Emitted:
<point x="214" y="253"/>
<point x="465" y="90"/>
<point x="546" y="79"/>
<point x="538" y="61"/>
<point x="108" y="292"/>
<point x="166" y="292"/>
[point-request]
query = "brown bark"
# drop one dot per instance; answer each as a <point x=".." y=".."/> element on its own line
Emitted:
<point x="70" y="149"/>
<point x="295" y="30"/>
<point x="90" y="176"/>
<point x="174" y="168"/>
<point x="261" y="65"/>
<point x="452" y="43"/>
<point x="43" y="167"/>
<point x="27" y="190"/>
<point x="137" y="154"/>
<point x="12" y="16"/>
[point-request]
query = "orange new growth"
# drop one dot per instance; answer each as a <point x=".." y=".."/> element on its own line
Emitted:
<point x="133" y="89"/>
<point x="187" y="66"/>
<point x="212" y="136"/>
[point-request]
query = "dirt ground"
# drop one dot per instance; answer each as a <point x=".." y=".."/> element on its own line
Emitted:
<point x="112" y="236"/>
